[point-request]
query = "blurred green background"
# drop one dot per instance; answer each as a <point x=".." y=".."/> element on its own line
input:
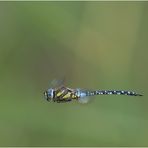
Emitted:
<point x="96" y="45"/>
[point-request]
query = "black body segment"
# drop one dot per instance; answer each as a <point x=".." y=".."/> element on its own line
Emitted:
<point x="111" y="92"/>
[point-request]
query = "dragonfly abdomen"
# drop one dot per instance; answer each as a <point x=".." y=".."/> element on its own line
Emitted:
<point x="84" y="93"/>
<point x="112" y="92"/>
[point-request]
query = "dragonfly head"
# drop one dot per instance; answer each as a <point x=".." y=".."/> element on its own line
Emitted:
<point x="48" y="94"/>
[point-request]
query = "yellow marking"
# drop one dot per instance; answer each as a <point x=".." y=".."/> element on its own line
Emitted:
<point x="59" y="93"/>
<point x="74" y="96"/>
<point x="68" y="95"/>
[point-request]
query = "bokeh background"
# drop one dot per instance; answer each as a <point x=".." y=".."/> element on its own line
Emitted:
<point x="96" y="45"/>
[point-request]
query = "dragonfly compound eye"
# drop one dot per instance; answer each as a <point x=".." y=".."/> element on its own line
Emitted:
<point x="49" y="94"/>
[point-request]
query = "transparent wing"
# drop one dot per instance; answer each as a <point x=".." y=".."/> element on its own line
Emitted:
<point x="57" y="83"/>
<point x="82" y="96"/>
<point x="84" y="100"/>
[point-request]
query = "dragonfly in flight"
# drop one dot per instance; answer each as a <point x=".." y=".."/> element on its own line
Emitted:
<point x="62" y="94"/>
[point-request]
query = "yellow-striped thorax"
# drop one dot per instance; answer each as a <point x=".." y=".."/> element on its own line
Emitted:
<point x="61" y="94"/>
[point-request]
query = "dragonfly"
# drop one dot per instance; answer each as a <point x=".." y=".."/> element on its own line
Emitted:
<point x="63" y="94"/>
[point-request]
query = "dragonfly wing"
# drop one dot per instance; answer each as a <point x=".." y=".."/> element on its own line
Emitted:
<point x="84" y="100"/>
<point x="55" y="83"/>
